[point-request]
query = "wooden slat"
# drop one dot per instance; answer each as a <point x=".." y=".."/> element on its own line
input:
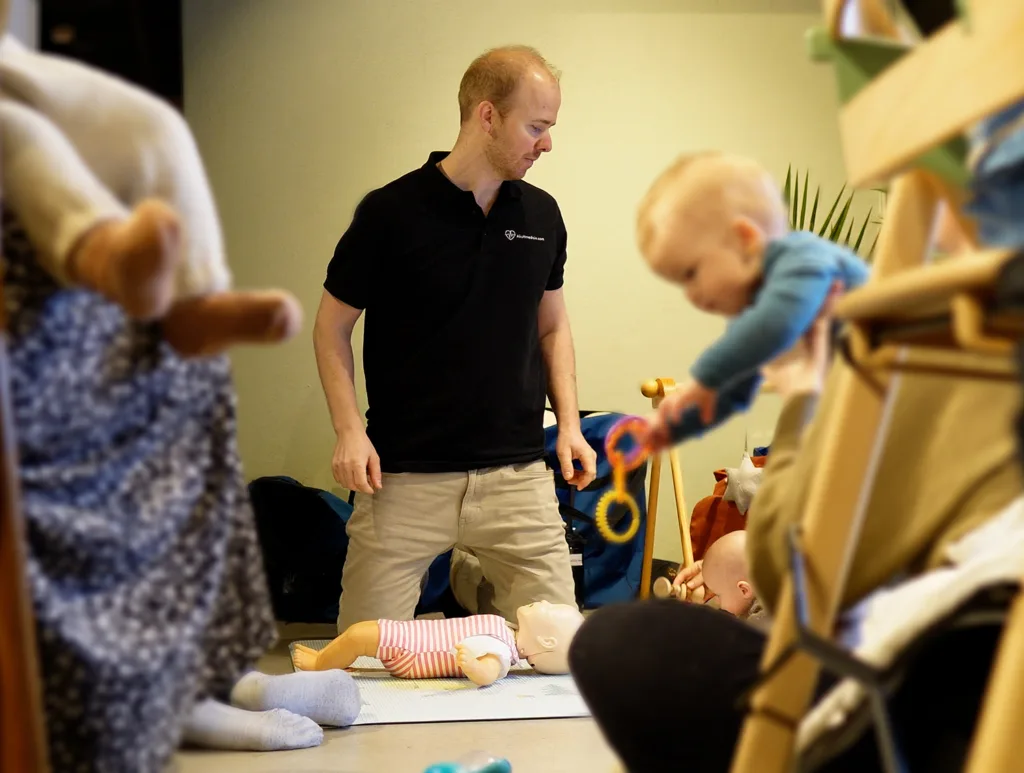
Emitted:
<point x="949" y="81"/>
<point x="996" y="743"/>
<point x="646" y="565"/>
<point x="939" y="362"/>
<point x="23" y="748"/>
<point x="918" y="290"/>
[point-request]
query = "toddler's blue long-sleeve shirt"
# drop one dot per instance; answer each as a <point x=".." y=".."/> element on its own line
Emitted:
<point x="799" y="270"/>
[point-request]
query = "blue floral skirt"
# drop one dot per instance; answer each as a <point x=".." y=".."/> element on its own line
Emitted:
<point x="143" y="561"/>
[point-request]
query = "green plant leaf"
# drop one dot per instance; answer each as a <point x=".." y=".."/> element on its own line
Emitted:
<point x="803" y="203"/>
<point x="814" y="209"/>
<point x="785" y="192"/>
<point x="839" y="225"/>
<point x="828" y="219"/>
<point x="793" y="205"/>
<point x="863" y="228"/>
<point x="841" y="221"/>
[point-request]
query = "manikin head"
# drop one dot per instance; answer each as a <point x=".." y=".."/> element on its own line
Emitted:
<point x="725" y="573"/>
<point x="508" y="102"/>
<point x="544" y="634"/>
<point x="704" y="225"/>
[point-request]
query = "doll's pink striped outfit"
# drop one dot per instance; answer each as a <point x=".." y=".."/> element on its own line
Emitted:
<point x="425" y="649"/>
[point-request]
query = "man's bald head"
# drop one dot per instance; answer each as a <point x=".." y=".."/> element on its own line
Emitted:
<point x="495" y="75"/>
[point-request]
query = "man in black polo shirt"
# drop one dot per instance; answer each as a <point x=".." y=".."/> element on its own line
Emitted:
<point x="458" y="267"/>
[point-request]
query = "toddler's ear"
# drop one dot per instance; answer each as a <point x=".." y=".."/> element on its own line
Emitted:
<point x="750" y="236"/>
<point x="745" y="588"/>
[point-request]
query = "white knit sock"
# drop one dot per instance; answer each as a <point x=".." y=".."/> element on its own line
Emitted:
<point x="216" y="725"/>
<point x="326" y="697"/>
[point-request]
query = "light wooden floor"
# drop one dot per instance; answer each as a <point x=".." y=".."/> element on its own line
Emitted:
<point x="535" y="746"/>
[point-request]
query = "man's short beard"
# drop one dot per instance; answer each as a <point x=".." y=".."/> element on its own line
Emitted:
<point x="501" y="161"/>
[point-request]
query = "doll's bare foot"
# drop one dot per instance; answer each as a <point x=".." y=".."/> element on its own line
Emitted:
<point x="360" y="639"/>
<point x="210" y="324"/>
<point x="304" y="657"/>
<point x="132" y="262"/>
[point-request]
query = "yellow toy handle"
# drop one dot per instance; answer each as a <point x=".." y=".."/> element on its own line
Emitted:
<point x="601" y="517"/>
<point x="621" y="464"/>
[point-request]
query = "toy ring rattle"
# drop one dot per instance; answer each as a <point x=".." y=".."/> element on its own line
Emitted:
<point x="621" y="463"/>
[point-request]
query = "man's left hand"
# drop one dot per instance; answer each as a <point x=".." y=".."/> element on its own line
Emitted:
<point x="571" y="445"/>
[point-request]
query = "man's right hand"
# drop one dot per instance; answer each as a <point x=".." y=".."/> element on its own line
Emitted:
<point x="356" y="465"/>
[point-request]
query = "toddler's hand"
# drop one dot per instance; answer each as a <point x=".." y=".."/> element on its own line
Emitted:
<point x="690" y="392"/>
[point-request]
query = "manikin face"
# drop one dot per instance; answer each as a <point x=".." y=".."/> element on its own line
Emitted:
<point x="545" y="631"/>
<point x="517" y="139"/>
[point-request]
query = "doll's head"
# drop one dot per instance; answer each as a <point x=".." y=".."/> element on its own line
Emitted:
<point x="725" y="573"/>
<point x="704" y="225"/>
<point x="545" y="632"/>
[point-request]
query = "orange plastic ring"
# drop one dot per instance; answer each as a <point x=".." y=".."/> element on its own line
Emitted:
<point x="632" y="425"/>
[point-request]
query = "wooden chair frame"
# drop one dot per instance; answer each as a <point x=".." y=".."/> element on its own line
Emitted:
<point x="985" y="64"/>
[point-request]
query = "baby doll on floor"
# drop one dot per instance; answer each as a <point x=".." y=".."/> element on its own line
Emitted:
<point x="109" y="186"/>
<point x="481" y="647"/>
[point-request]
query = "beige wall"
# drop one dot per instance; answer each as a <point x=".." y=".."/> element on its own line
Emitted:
<point x="301" y="106"/>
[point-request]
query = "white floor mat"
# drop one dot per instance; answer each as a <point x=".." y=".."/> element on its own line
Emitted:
<point x="523" y="694"/>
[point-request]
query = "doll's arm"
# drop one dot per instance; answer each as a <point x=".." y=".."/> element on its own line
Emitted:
<point x="357" y="640"/>
<point x="484" y="659"/>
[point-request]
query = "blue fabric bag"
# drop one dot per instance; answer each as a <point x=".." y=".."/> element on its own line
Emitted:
<point x="610" y="572"/>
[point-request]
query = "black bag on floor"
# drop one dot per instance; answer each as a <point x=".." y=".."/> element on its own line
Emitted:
<point x="302" y="535"/>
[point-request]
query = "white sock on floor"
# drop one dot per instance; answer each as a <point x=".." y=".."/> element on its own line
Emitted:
<point x="327" y="697"/>
<point x="216" y="725"/>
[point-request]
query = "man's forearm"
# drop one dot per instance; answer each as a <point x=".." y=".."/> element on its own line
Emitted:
<point x="560" y="360"/>
<point x="336" y="366"/>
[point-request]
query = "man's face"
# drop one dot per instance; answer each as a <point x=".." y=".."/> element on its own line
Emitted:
<point x="518" y="138"/>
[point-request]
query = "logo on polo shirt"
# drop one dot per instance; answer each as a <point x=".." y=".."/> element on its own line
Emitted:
<point x="510" y="234"/>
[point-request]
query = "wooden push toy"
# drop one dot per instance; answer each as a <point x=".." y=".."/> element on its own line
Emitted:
<point x="624" y="461"/>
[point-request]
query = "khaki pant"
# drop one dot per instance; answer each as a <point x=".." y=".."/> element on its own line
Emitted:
<point x="507" y="517"/>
